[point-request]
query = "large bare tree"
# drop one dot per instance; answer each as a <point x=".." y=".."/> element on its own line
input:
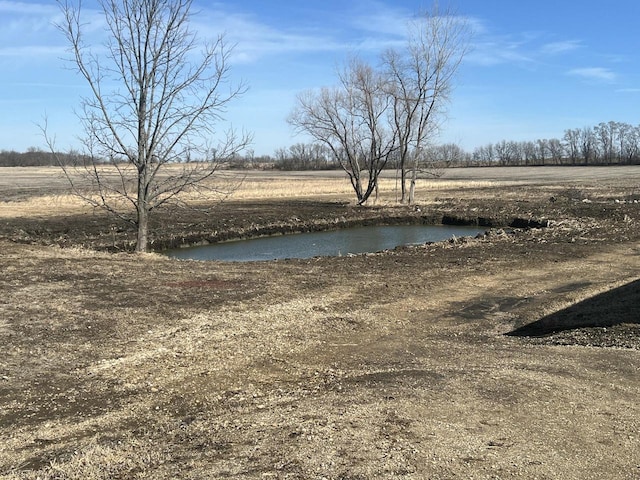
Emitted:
<point x="353" y="121"/>
<point x="420" y="79"/>
<point x="390" y="111"/>
<point x="156" y="95"/>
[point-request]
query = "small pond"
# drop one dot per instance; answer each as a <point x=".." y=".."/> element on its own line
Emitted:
<point x="330" y="243"/>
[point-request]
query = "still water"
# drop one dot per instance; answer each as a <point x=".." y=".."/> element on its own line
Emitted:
<point x="316" y="244"/>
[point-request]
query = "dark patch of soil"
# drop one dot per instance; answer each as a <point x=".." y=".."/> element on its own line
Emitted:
<point x="615" y="307"/>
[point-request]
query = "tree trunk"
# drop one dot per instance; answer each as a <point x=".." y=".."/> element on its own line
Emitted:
<point x="412" y="187"/>
<point x="142" y="212"/>
<point x="403" y="184"/>
<point x="142" y="243"/>
<point x="371" y="187"/>
<point x="356" y="183"/>
<point x="403" y="177"/>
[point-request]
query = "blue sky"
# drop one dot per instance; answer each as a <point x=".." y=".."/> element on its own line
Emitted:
<point x="535" y="68"/>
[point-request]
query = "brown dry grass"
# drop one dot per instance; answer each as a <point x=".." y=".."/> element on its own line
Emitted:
<point x="22" y="188"/>
<point x="43" y="205"/>
<point x="238" y="186"/>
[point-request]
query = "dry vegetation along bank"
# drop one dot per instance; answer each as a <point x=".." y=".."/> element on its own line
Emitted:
<point x="511" y="355"/>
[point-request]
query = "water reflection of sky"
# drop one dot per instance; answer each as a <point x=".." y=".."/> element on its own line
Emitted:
<point x="331" y="243"/>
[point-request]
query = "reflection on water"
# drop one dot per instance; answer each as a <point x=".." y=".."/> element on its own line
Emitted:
<point x="331" y="243"/>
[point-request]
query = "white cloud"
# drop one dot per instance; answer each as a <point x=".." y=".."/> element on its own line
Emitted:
<point x="32" y="51"/>
<point x="557" y="48"/>
<point x="594" y="73"/>
<point x="380" y="19"/>
<point x="368" y="27"/>
<point x="20" y="20"/>
<point x="525" y="49"/>
<point x="253" y="39"/>
<point x="490" y="52"/>
<point x="31" y="8"/>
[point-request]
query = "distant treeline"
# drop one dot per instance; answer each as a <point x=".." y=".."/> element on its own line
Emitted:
<point x="34" y="157"/>
<point x="611" y="143"/>
<point x="304" y="156"/>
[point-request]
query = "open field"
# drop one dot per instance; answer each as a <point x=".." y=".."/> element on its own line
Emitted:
<point x="28" y="181"/>
<point x="513" y="355"/>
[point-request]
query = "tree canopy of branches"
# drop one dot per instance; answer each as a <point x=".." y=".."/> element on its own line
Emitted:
<point x="389" y="112"/>
<point x="351" y="120"/>
<point x="155" y="96"/>
<point x="420" y="79"/>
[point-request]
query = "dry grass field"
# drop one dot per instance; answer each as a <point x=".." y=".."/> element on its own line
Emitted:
<point x="512" y="355"/>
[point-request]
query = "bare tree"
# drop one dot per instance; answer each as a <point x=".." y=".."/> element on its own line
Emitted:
<point x="587" y="145"/>
<point x="622" y="134"/>
<point x="515" y="152"/>
<point x="556" y="150"/>
<point x="631" y="147"/>
<point x="374" y="115"/>
<point x="605" y="134"/>
<point x="352" y="121"/>
<point x="304" y="156"/>
<point x="543" y="150"/>
<point x="484" y="155"/>
<point x="419" y="81"/>
<point x="530" y="152"/>
<point x="503" y="152"/>
<point x="154" y="101"/>
<point x="443" y="156"/>
<point x="572" y="144"/>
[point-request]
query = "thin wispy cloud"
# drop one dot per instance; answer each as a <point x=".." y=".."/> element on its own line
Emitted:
<point x="380" y="26"/>
<point x="32" y="51"/>
<point x="73" y="86"/>
<point x="599" y="74"/>
<point x="257" y="43"/>
<point x="380" y="19"/>
<point x="490" y="52"/>
<point x="477" y="26"/>
<point x="558" y="48"/>
<point x="368" y="29"/>
<point x="524" y="50"/>
<point x="253" y="39"/>
<point x="21" y="21"/>
<point x="27" y="7"/>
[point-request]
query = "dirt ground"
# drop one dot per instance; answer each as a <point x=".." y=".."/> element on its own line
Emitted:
<point x="512" y="355"/>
